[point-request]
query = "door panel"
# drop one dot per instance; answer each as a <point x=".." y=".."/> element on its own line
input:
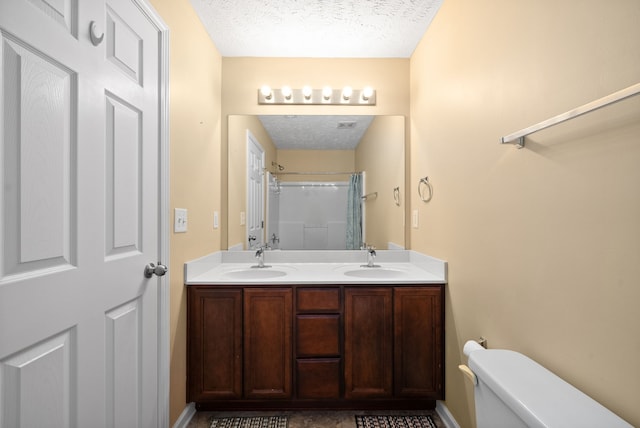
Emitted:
<point x="124" y="177"/>
<point x="62" y="12"/>
<point x="38" y="167"/>
<point x="124" y="361"/>
<point x="44" y="374"/>
<point x="124" y="46"/>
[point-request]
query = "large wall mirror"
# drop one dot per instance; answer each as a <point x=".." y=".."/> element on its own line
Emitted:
<point x="300" y="182"/>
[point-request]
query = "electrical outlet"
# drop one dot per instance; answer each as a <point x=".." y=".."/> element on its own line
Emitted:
<point x="180" y="220"/>
<point x="243" y="218"/>
<point x="415" y="219"/>
<point x="215" y="220"/>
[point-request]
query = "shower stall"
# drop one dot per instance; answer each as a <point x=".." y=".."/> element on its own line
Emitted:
<point x="310" y="215"/>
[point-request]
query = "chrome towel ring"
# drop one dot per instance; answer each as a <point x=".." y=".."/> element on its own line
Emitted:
<point x="425" y="181"/>
<point x="396" y="195"/>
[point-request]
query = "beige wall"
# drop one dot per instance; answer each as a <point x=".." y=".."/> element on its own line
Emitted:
<point x="381" y="154"/>
<point x="237" y="171"/>
<point x="195" y="81"/>
<point x="543" y="243"/>
<point x="316" y="161"/>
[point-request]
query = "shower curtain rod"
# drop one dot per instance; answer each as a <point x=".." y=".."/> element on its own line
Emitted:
<point x="318" y="173"/>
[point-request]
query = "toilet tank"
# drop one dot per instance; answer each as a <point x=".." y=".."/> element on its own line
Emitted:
<point x="514" y="391"/>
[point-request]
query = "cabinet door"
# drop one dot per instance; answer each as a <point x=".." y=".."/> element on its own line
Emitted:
<point x="368" y="342"/>
<point x="418" y="342"/>
<point x="267" y="342"/>
<point x="214" y="344"/>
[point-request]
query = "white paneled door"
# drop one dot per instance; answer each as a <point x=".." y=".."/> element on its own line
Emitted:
<point x="81" y="161"/>
<point x="255" y="192"/>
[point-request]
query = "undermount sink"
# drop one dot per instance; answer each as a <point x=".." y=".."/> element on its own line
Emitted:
<point x="254" y="273"/>
<point x="375" y="272"/>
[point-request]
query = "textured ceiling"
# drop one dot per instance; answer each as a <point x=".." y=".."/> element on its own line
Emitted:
<point x="316" y="28"/>
<point x="316" y="132"/>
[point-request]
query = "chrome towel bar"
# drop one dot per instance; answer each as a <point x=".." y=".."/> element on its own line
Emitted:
<point x="518" y="137"/>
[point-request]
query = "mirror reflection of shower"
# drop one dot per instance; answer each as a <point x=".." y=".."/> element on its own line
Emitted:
<point x="306" y="215"/>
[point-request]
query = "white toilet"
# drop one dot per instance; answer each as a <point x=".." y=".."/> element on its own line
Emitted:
<point x="513" y="391"/>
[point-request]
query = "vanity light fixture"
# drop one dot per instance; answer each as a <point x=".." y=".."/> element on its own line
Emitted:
<point x="309" y="96"/>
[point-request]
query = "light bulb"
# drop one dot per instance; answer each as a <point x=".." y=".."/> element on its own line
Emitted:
<point x="347" y="92"/>
<point x="266" y="92"/>
<point x="306" y="92"/>
<point x="367" y="93"/>
<point x="286" y="92"/>
<point x="327" y="92"/>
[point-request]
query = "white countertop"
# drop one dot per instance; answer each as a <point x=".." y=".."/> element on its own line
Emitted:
<point x="316" y="267"/>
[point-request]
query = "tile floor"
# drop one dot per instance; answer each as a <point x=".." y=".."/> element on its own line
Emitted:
<point x="312" y="419"/>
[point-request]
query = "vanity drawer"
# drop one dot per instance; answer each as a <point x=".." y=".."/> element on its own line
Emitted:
<point x="317" y="335"/>
<point x="324" y="299"/>
<point x="318" y="378"/>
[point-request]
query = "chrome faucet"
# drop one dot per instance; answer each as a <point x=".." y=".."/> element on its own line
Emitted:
<point x="260" y="257"/>
<point x="371" y="255"/>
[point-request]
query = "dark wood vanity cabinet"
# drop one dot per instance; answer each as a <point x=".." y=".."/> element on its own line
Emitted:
<point x="394" y="342"/>
<point x="313" y="346"/>
<point x="238" y="343"/>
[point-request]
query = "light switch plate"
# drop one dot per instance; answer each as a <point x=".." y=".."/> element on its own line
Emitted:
<point x="180" y="220"/>
<point x="216" y="220"/>
<point x="415" y="219"/>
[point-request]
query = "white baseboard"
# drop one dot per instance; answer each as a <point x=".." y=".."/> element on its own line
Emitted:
<point x="445" y="415"/>
<point x="185" y="417"/>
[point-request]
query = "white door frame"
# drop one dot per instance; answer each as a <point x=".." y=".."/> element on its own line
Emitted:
<point x="163" y="207"/>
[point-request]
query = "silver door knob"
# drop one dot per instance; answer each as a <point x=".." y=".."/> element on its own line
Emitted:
<point x="153" y="269"/>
